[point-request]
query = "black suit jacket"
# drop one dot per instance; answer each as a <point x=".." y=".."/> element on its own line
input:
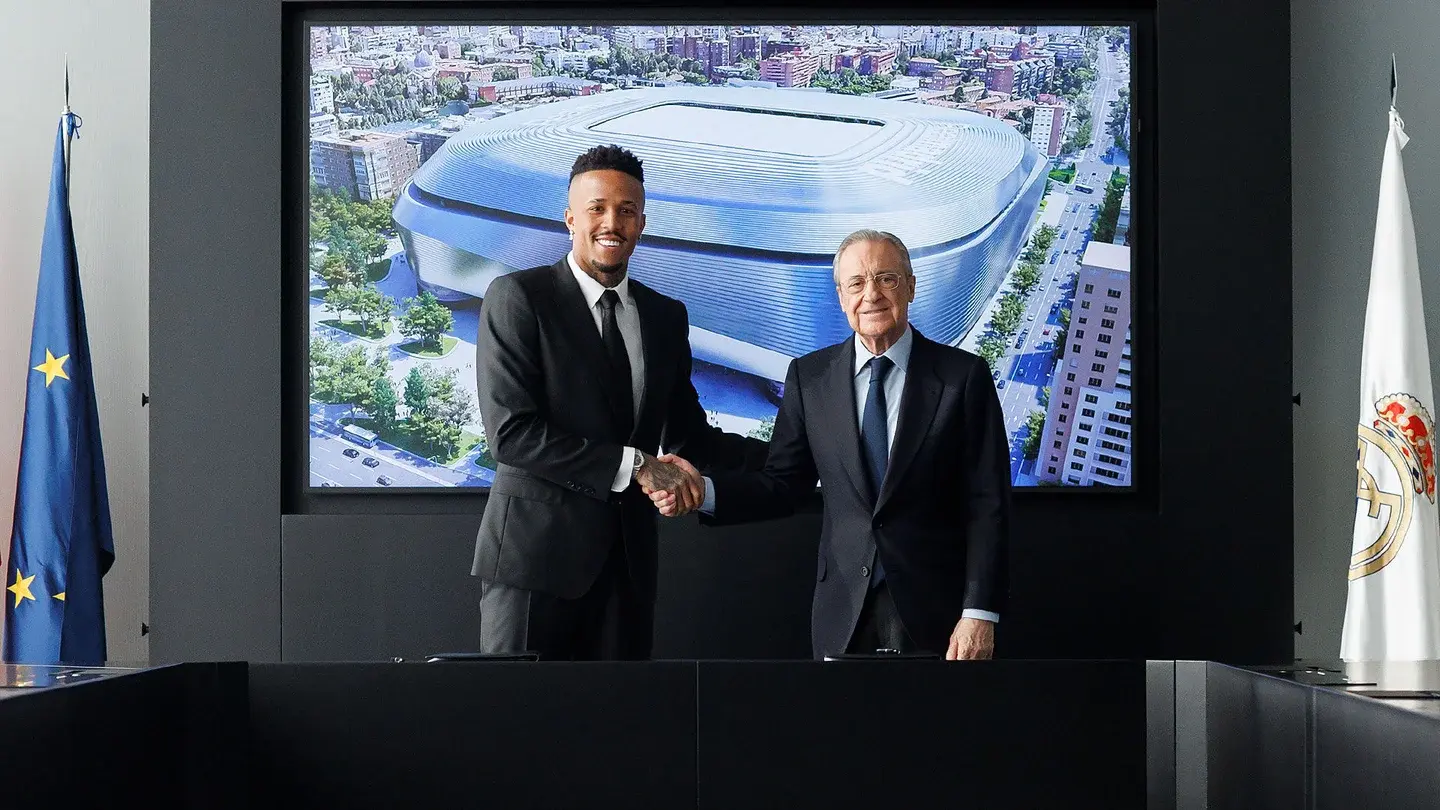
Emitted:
<point x="941" y="520"/>
<point x="547" y="409"/>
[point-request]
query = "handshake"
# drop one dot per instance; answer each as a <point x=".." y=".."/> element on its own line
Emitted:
<point x="673" y="484"/>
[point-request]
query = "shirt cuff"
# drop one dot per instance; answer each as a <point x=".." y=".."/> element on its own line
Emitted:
<point x="622" y="475"/>
<point x="971" y="613"/>
<point x="707" y="506"/>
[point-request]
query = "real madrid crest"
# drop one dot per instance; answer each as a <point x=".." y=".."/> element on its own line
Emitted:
<point x="1395" y="462"/>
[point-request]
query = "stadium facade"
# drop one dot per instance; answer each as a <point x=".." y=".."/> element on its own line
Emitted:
<point x="748" y="193"/>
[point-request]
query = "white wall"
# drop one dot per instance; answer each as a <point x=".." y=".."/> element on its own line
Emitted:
<point x="108" y="42"/>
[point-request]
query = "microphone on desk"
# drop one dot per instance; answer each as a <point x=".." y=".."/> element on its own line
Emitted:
<point x="884" y="654"/>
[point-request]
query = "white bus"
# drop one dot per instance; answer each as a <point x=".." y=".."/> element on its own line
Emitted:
<point x="359" y="435"/>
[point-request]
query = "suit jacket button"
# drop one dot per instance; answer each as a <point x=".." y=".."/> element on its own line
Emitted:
<point x="864" y="570"/>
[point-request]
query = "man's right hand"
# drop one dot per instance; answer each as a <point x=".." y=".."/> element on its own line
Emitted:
<point x="672" y="483"/>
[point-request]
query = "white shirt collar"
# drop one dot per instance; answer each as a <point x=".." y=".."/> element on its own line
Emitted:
<point x="592" y="289"/>
<point x="899" y="353"/>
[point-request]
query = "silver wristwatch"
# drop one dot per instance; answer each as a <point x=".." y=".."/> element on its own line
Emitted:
<point x="639" y="462"/>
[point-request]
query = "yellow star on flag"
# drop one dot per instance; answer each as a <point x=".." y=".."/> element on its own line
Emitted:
<point x="21" y="588"/>
<point x="60" y="596"/>
<point x="53" y="367"/>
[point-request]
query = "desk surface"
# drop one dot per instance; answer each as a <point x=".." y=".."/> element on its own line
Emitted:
<point x="17" y="679"/>
<point x="1413" y="685"/>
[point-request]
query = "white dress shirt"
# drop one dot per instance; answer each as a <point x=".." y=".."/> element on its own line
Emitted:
<point x="629" y="321"/>
<point x="899" y="354"/>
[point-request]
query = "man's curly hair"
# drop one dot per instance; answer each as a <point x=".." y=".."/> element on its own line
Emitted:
<point x="608" y="157"/>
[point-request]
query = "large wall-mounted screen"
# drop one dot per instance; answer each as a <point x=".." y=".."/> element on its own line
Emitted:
<point x="438" y="159"/>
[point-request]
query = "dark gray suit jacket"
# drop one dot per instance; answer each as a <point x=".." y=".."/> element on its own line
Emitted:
<point x="547" y="409"/>
<point x="940" y="521"/>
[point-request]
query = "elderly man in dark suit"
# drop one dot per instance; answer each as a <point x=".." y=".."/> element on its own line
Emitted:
<point x="907" y="439"/>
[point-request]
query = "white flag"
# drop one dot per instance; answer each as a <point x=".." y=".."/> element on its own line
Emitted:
<point x="1393" y="610"/>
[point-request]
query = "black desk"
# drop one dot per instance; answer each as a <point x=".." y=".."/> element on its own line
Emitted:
<point x="708" y="734"/>
<point x="1002" y="734"/>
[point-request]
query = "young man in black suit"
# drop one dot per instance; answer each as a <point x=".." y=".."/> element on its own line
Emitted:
<point x="581" y="371"/>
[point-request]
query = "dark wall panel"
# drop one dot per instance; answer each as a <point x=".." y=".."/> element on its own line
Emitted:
<point x="1175" y="570"/>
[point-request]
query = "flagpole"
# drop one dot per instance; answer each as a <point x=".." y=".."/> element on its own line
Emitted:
<point x="1394" y="81"/>
<point x="65" y="117"/>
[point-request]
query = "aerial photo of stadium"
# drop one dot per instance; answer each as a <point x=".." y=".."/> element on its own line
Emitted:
<point x="440" y="159"/>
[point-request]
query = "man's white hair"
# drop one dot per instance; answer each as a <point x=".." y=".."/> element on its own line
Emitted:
<point x="872" y="235"/>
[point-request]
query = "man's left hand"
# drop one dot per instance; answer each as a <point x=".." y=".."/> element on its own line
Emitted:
<point x="973" y="640"/>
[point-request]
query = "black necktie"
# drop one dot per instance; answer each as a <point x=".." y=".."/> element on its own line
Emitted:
<point x="624" y="395"/>
<point x="874" y="439"/>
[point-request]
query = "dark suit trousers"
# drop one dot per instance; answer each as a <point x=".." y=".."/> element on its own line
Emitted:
<point x="879" y="626"/>
<point x="608" y="623"/>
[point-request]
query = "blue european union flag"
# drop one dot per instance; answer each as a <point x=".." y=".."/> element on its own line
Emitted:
<point x="61" y="545"/>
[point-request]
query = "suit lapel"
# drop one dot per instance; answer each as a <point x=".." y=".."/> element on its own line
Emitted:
<point x="580" y="324"/>
<point x="838" y="392"/>
<point x="918" y="403"/>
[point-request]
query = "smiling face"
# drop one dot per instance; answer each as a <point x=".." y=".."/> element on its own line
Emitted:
<point x="862" y="274"/>
<point x="605" y="216"/>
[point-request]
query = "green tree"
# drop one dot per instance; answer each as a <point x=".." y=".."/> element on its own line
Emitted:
<point x="1027" y="275"/>
<point x="374" y="308"/>
<point x="417" y="391"/>
<point x="1079" y="139"/>
<point x="344" y="374"/>
<point x="336" y="272"/>
<point x="506" y="73"/>
<point x="1119" y="111"/>
<point x="1109" y="214"/>
<point x="1062" y="334"/>
<point x="375" y="216"/>
<point x="441" y="385"/>
<point x="342" y="299"/>
<point x="439" y="425"/>
<point x="451" y="89"/>
<point x="456" y="408"/>
<point x="1012" y="304"/>
<point x="1034" y="428"/>
<point x="437" y="439"/>
<point x="1047" y="234"/>
<point x="992" y="350"/>
<point x="1004" y="322"/>
<point x="1119" y="117"/>
<point x="383" y="402"/>
<point x="426" y="320"/>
